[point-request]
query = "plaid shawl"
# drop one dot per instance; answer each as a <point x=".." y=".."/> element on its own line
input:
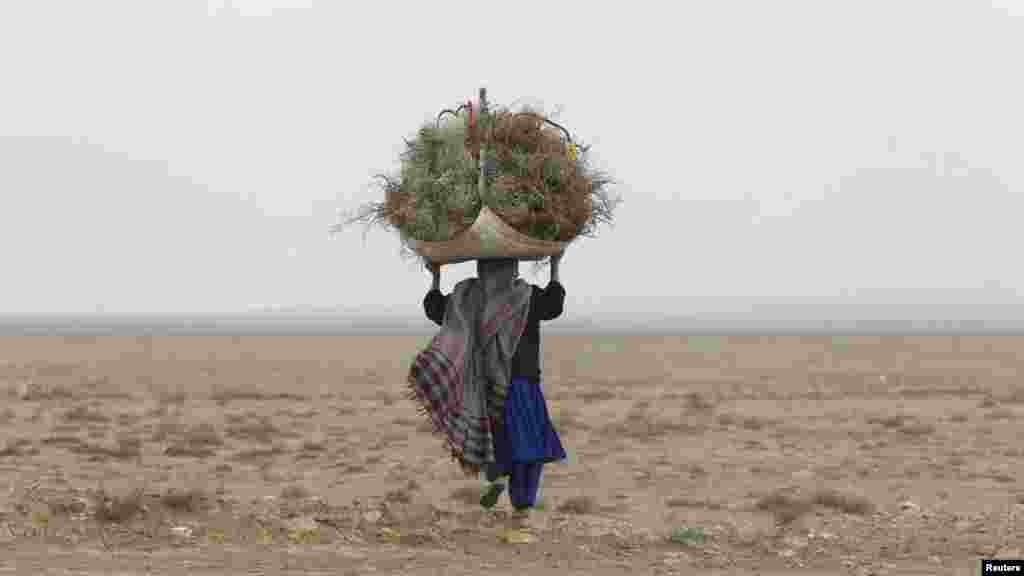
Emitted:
<point x="460" y="380"/>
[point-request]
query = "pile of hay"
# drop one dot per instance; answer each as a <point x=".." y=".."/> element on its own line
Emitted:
<point x="533" y="182"/>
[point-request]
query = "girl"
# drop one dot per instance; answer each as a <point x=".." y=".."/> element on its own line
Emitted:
<point x="526" y="440"/>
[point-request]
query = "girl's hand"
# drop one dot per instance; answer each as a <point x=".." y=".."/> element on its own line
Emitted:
<point x="435" y="271"/>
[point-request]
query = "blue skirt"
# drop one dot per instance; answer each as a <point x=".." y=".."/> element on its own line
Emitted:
<point x="525" y="443"/>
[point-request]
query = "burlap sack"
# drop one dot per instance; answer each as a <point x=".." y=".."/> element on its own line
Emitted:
<point x="488" y="237"/>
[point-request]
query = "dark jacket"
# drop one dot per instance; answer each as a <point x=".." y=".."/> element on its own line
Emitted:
<point x="545" y="304"/>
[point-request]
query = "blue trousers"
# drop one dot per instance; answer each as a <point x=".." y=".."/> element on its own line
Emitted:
<point x="525" y="442"/>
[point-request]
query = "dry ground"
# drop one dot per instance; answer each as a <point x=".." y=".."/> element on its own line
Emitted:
<point x="216" y="455"/>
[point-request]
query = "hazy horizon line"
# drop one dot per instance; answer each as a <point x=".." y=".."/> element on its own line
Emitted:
<point x="315" y="324"/>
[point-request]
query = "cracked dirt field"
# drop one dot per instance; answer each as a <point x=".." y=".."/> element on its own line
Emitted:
<point x="211" y="455"/>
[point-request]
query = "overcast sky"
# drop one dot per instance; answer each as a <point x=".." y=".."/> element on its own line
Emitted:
<point x="190" y="156"/>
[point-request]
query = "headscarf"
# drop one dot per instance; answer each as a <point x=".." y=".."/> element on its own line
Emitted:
<point x="461" y="380"/>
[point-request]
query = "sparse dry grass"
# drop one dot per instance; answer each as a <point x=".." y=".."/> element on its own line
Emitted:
<point x="407" y="422"/>
<point x="61" y="440"/>
<point x="566" y="420"/>
<point x="191" y="500"/>
<point x="842" y="502"/>
<point x="1001" y="413"/>
<point x="582" y="504"/>
<point x="902" y="423"/>
<point x="788" y="507"/>
<point x="261" y="430"/>
<point x="599" y="395"/>
<point x="640" y="424"/>
<point x="346" y="410"/>
<point x="258" y="454"/>
<point x="32" y="390"/>
<point x="223" y="395"/>
<point x="687" y="502"/>
<point x="112" y="395"/>
<point x="1016" y="396"/>
<point x="171" y="397"/>
<point x="128" y="419"/>
<point x="295" y="492"/>
<point x="469" y="495"/>
<point x="236" y="418"/>
<point x="14" y="447"/>
<point x="754" y="423"/>
<point x="118" y="509"/>
<point x="8" y="450"/>
<point x="687" y="536"/>
<point x="696" y="471"/>
<point x="353" y="469"/>
<point x="1003" y="477"/>
<point x="918" y="429"/>
<point x="399" y="496"/>
<point x="294" y="414"/>
<point x="696" y="402"/>
<point x="85" y="414"/>
<point x="203" y="434"/>
<point x="127" y="447"/>
<point x="988" y="402"/>
<point x="167" y="428"/>
<point x="59" y="392"/>
<point x="198" y="441"/>
<point x="65" y="505"/>
<point x="95" y="382"/>
<point x="887" y="421"/>
<point x="312" y="445"/>
<point x="386" y="399"/>
<point x="389" y="439"/>
<point x="183" y="449"/>
<point x="124" y="448"/>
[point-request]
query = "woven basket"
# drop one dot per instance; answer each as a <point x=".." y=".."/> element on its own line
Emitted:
<point x="488" y="237"/>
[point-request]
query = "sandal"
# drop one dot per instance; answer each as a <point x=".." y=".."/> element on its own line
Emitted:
<point x="490" y="497"/>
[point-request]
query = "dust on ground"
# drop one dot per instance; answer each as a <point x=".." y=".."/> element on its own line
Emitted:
<point x="789" y="455"/>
